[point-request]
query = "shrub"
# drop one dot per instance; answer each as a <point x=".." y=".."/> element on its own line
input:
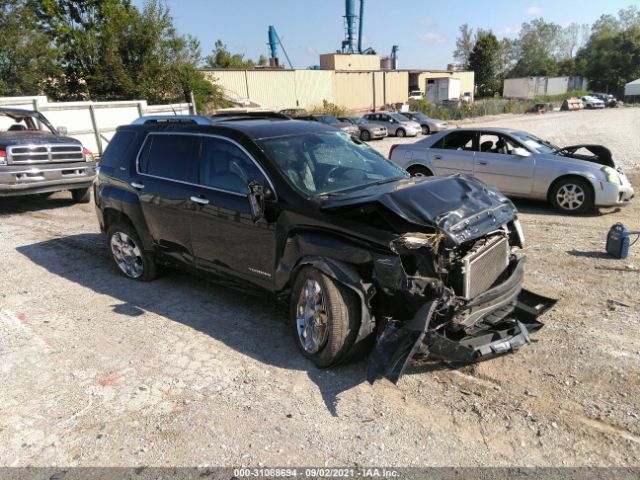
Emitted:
<point x="328" y="108"/>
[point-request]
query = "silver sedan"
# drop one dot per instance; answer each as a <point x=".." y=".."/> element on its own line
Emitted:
<point x="428" y="124"/>
<point x="573" y="179"/>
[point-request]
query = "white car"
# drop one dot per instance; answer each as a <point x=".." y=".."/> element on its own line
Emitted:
<point x="416" y="95"/>
<point x="573" y="179"/>
<point x="592" y="102"/>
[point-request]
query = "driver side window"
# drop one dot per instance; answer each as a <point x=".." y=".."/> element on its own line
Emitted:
<point x="224" y="166"/>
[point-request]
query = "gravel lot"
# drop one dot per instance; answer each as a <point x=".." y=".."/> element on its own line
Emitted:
<point x="99" y="370"/>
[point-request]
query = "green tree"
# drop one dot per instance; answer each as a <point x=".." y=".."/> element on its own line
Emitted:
<point x="464" y="46"/>
<point x="611" y="57"/>
<point x="27" y="61"/>
<point x="483" y="60"/>
<point x="536" y="49"/>
<point x="221" y="58"/>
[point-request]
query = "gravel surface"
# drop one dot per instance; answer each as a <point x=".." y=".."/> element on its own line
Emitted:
<point x="97" y="370"/>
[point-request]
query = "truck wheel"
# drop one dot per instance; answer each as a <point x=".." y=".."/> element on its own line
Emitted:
<point x="81" y="195"/>
<point x="325" y="317"/>
<point x="125" y="249"/>
<point x="400" y="132"/>
<point x="572" y="195"/>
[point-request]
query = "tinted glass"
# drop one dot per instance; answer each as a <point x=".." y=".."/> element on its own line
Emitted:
<point x="225" y="166"/>
<point x="116" y="149"/>
<point x="399" y="118"/>
<point x="329" y="162"/>
<point x="169" y="156"/>
<point x="456" y="141"/>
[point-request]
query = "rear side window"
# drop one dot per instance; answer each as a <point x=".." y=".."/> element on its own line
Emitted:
<point x="115" y="152"/>
<point x="456" y="141"/>
<point x="224" y="166"/>
<point x="169" y="156"/>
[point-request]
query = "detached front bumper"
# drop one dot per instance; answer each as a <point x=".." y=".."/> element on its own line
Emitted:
<point x="495" y="322"/>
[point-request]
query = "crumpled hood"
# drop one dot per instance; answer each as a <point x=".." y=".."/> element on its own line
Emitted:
<point x="461" y="206"/>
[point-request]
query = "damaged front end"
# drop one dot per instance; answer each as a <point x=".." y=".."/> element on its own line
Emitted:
<point x="460" y="303"/>
<point x="450" y="287"/>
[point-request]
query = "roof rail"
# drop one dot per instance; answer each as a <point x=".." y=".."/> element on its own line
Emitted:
<point x="233" y="116"/>
<point x="172" y="119"/>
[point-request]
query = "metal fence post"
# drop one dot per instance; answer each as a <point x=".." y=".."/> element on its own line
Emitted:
<point x="96" y="130"/>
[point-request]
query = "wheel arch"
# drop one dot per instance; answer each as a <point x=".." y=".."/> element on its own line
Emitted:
<point x="417" y="165"/>
<point x="567" y="176"/>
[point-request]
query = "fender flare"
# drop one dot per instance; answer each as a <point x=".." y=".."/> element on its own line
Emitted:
<point x="347" y="275"/>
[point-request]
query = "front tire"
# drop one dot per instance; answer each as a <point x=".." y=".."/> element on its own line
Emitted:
<point x="426" y="130"/>
<point x="324" y="317"/>
<point x="128" y="255"/>
<point x="365" y="136"/>
<point x="400" y="133"/>
<point x="572" y="195"/>
<point x="81" y="195"/>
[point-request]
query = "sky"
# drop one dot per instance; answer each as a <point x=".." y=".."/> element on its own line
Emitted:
<point x="425" y="31"/>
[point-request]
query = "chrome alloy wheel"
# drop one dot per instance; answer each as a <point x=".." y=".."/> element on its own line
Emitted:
<point x="127" y="255"/>
<point x="570" y="196"/>
<point x="311" y="317"/>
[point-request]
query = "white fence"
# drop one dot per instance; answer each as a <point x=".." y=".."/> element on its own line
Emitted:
<point x="93" y="123"/>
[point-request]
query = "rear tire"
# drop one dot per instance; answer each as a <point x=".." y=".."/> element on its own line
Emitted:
<point x="365" y="136"/>
<point x="572" y="196"/>
<point x="81" y="195"/>
<point x="419" y="171"/>
<point x="128" y="255"/>
<point x="400" y="133"/>
<point x="324" y="317"/>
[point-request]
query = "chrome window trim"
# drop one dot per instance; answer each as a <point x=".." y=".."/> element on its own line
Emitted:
<point x="211" y="135"/>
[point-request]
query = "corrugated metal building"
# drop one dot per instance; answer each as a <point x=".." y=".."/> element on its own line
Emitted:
<point x="355" y="90"/>
<point x="530" y="87"/>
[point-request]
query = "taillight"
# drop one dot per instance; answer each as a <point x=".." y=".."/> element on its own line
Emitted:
<point x="88" y="156"/>
<point x="3" y="157"/>
<point x="391" y="150"/>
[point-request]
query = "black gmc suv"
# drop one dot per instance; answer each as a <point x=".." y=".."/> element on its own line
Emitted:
<point x="367" y="256"/>
<point x="36" y="158"/>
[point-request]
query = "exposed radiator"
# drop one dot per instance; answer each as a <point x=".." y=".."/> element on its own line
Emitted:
<point x="483" y="265"/>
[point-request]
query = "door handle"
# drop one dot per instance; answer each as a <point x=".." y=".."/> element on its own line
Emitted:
<point x="200" y="200"/>
<point x="438" y="157"/>
<point x="483" y="163"/>
<point x="137" y="185"/>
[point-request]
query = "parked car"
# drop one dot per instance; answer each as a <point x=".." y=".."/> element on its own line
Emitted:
<point x="396" y="124"/>
<point x="294" y="112"/>
<point x="334" y="122"/>
<point x="368" y="131"/>
<point x="36" y="158"/>
<point x="573" y="179"/>
<point x="357" y="247"/>
<point x="592" y="102"/>
<point x="608" y="99"/>
<point x="428" y="124"/>
<point x="416" y="95"/>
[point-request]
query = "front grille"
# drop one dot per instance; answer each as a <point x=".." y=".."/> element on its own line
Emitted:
<point x="44" y="154"/>
<point x="483" y="265"/>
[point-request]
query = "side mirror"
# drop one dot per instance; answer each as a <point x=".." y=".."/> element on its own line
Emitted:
<point x="521" y="152"/>
<point x="256" y="200"/>
<point x="62" y="130"/>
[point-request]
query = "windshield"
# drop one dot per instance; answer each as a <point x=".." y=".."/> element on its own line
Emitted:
<point x="535" y="143"/>
<point x="20" y="123"/>
<point x="329" y="162"/>
<point x="399" y="118"/>
<point x="328" y="119"/>
<point x="420" y="116"/>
